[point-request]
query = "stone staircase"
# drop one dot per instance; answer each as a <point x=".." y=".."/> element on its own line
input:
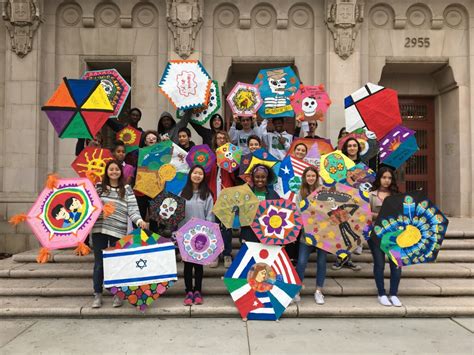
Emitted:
<point x="63" y="287"/>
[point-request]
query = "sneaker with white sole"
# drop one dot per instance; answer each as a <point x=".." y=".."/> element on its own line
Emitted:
<point x="358" y="250"/>
<point x="319" y="297"/>
<point x="384" y="301"/>
<point x="395" y="301"/>
<point x="296" y="299"/>
<point x="117" y="302"/>
<point x="227" y="261"/>
<point x="97" y="303"/>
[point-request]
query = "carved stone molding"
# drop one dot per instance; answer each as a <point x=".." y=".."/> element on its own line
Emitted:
<point x="343" y="19"/>
<point x="184" y="21"/>
<point x="22" y="19"/>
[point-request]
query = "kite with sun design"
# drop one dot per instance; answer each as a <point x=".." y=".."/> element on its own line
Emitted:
<point x="398" y="146"/>
<point x="91" y="163"/>
<point x="78" y="108"/>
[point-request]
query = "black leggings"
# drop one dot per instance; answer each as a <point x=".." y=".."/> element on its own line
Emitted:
<point x="188" y="276"/>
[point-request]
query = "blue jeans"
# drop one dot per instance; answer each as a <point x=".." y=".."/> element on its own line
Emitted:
<point x="100" y="242"/>
<point x="379" y="266"/>
<point x="303" y="256"/>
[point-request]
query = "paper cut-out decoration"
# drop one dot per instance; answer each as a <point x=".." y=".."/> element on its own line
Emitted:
<point x="186" y="84"/>
<point x="310" y="103"/>
<point x="91" y="163"/>
<point x="78" y="108"/>
<point x="244" y="99"/>
<point x="398" y="146"/>
<point x="262" y="281"/>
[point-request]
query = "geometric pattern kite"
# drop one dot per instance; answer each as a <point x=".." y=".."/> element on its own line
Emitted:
<point x="374" y="107"/>
<point x="115" y="86"/>
<point x="91" y="163"/>
<point x="78" y="108"/>
<point x="262" y="281"/>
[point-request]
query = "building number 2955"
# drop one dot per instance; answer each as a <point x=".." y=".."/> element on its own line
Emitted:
<point x="420" y="42"/>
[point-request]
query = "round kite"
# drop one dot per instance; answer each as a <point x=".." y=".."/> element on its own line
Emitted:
<point x="91" y="163"/>
<point x="78" y="108"/>
<point x="201" y="155"/>
<point x="200" y="241"/>
<point x="262" y="281"/>
<point x="186" y="84"/>
<point x="244" y="99"/>
<point x="310" y="103"/>
<point x="277" y="222"/>
<point x="201" y="115"/>
<point x="228" y="157"/>
<point x="115" y="86"/>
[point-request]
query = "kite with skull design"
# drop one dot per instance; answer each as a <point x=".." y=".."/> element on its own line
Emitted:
<point x="310" y="103"/>
<point x="228" y="157"/>
<point x="276" y="85"/>
<point x="167" y="208"/>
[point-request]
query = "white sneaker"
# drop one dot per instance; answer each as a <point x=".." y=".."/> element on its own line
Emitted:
<point x="117" y="302"/>
<point x="383" y="300"/>
<point x="319" y="297"/>
<point x="395" y="301"/>
<point x="297" y="299"/>
<point x="358" y="250"/>
<point x="97" y="303"/>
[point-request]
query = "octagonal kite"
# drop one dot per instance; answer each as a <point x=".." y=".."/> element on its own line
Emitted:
<point x="186" y="84"/>
<point x="91" y="163"/>
<point x="244" y="99"/>
<point x="115" y="86"/>
<point x="78" y="108"/>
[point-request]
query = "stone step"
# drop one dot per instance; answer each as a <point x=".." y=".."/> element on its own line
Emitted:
<point x="67" y="256"/>
<point x="215" y="286"/>
<point x="222" y="306"/>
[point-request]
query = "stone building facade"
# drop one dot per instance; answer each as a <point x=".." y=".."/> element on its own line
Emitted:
<point x="425" y="50"/>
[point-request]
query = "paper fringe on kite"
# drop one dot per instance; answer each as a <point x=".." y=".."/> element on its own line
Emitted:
<point x="43" y="256"/>
<point x="17" y="219"/>
<point x="52" y="181"/>
<point x="82" y="249"/>
<point x="109" y="209"/>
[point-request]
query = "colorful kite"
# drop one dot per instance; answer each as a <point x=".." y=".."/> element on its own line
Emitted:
<point x="310" y="103"/>
<point x="334" y="166"/>
<point x="262" y="157"/>
<point x="201" y="155"/>
<point x="186" y="84"/>
<point x="244" y="99"/>
<point x="167" y="208"/>
<point x="369" y="147"/>
<point x="91" y="163"/>
<point x="324" y="145"/>
<point x="130" y="136"/>
<point x="115" y="86"/>
<point x="236" y="206"/>
<point x="334" y="218"/>
<point x="373" y="107"/>
<point x="137" y="238"/>
<point x="361" y="177"/>
<point x="410" y="229"/>
<point x="262" y="281"/>
<point x="228" y="157"/>
<point x="398" y="146"/>
<point x="78" y="108"/>
<point x="276" y="85"/>
<point x="290" y="176"/>
<point x="277" y="222"/>
<point x="203" y="114"/>
<point x="199" y="241"/>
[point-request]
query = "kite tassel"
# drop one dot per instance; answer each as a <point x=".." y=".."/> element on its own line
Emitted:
<point x="18" y="218"/>
<point x="52" y="181"/>
<point x="82" y="249"/>
<point x="43" y="256"/>
<point x="109" y="209"/>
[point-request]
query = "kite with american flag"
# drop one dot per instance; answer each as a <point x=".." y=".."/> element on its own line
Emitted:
<point x="290" y="176"/>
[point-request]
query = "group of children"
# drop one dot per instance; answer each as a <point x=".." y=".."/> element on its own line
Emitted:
<point x="202" y="190"/>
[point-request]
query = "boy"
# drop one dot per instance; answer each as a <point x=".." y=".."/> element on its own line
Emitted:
<point x="59" y="212"/>
<point x="75" y="207"/>
<point x="184" y="139"/>
<point x="240" y="137"/>
<point x="279" y="141"/>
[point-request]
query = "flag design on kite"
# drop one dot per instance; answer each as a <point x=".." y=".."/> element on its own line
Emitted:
<point x="291" y="172"/>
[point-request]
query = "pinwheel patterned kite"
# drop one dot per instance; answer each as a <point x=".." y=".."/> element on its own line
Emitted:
<point x="78" y="108"/>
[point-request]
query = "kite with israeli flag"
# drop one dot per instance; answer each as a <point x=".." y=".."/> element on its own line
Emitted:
<point x="262" y="281"/>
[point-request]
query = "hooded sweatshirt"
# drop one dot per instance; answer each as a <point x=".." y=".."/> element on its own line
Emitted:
<point x="172" y="133"/>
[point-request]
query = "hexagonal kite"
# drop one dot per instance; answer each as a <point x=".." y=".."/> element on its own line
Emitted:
<point x="78" y="108"/>
<point x="310" y="103"/>
<point x="244" y="99"/>
<point x="203" y="114"/>
<point x="91" y="163"/>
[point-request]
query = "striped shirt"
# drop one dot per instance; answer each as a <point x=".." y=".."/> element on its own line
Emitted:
<point x="116" y="224"/>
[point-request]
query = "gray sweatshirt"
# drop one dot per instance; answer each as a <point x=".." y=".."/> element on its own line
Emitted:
<point x="195" y="207"/>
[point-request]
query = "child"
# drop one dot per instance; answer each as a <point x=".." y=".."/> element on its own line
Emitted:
<point x="310" y="182"/>
<point x="278" y="142"/>
<point x="216" y="123"/>
<point x="184" y="139"/>
<point x="240" y="137"/>
<point x="254" y="143"/>
<point x="199" y="204"/>
<point x="300" y="151"/>
<point x="107" y="231"/>
<point x="118" y="152"/>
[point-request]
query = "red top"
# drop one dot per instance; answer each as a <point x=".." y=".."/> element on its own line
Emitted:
<point x="227" y="180"/>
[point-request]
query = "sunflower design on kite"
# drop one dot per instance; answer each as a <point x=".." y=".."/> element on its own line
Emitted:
<point x="91" y="163"/>
<point x="130" y="136"/>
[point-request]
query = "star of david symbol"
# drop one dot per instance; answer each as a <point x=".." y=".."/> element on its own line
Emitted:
<point x="141" y="264"/>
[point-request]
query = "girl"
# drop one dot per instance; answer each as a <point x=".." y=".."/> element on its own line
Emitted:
<point x="261" y="176"/>
<point x="351" y="148"/>
<point x="310" y="182"/>
<point x="106" y="232"/>
<point x="119" y="155"/>
<point x="384" y="185"/>
<point x="342" y="133"/>
<point x="199" y="204"/>
<point x="218" y="180"/>
<point x="240" y="137"/>
<point x="254" y="143"/>
<point x="300" y="151"/>
<point x="216" y="123"/>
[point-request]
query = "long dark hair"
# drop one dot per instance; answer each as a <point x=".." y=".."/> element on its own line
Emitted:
<point x="341" y="133"/>
<point x="203" y="189"/>
<point x="106" y="180"/>
<point x="306" y="189"/>
<point x="214" y="138"/>
<point x="344" y="148"/>
<point x="393" y="188"/>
